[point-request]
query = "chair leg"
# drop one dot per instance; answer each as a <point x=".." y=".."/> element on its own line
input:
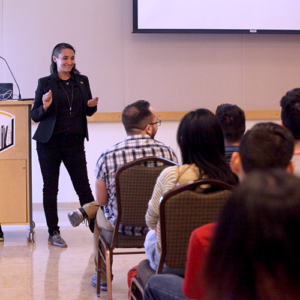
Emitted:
<point x="108" y="275"/>
<point x="98" y="274"/>
<point x="136" y="290"/>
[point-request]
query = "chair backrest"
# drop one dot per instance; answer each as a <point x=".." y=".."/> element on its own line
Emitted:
<point x="135" y="182"/>
<point x="182" y="210"/>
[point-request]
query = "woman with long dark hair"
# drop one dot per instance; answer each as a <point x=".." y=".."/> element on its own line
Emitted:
<point x="62" y="102"/>
<point x="201" y="142"/>
<point x="255" y="252"/>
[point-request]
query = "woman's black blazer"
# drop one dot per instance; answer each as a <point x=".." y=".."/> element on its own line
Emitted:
<point x="47" y="119"/>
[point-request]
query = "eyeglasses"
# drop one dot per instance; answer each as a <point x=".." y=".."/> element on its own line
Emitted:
<point x="158" y="122"/>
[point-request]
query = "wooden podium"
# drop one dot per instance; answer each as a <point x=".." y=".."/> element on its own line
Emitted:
<point x="15" y="165"/>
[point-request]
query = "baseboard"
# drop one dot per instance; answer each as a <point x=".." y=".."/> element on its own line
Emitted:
<point x="61" y="206"/>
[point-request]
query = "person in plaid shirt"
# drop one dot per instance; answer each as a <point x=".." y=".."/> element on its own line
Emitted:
<point x="141" y="124"/>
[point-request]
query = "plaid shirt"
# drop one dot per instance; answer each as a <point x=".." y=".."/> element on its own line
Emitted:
<point x="132" y="148"/>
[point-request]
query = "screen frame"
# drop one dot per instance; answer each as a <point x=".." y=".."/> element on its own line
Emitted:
<point x="218" y="31"/>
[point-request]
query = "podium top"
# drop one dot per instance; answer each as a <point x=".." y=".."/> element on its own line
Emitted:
<point x="16" y="102"/>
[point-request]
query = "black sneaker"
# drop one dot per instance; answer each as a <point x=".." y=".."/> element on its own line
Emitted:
<point x="57" y="240"/>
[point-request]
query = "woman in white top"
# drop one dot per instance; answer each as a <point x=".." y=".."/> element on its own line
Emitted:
<point x="201" y="142"/>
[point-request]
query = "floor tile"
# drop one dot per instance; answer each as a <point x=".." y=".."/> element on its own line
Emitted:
<point x="41" y="271"/>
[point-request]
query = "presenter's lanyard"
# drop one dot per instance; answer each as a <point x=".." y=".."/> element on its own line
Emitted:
<point x="72" y="95"/>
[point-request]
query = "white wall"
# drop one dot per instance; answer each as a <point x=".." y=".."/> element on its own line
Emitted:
<point x="102" y="136"/>
<point x="174" y="72"/>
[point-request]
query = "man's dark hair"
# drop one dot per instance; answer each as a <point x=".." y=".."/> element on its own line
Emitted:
<point x="136" y="116"/>
<point x="233" y="121"/>
<point x="290" y="112"/>
<point x="266" y="146"/>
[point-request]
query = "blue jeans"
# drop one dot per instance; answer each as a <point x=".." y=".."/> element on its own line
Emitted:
<point x="154" y="257"/>
<point x="150" y="249"/>
<point x="164" y="287"/>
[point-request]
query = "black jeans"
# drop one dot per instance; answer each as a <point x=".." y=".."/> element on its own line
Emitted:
<point x="69" y="149"/>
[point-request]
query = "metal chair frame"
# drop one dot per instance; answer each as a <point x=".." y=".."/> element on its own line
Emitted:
<point x="107" y="251"/>
<point x="137" y="286"/>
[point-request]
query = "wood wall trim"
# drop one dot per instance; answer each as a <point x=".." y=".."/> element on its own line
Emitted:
<point x="262" y="114"/>
<point x="105" y="117"/>
<point x="15" y="102"/>
<point x="177" y="115"/>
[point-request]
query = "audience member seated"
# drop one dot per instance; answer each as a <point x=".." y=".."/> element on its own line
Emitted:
<point x="290" y="116"/>
<point x="259" y="149"/>
<point x="233" y="123"/>
<point x="141" y="124"/>
<point x="255" y="251"/>
<point x="265" y="146"/>
<point x="201" y="142"/>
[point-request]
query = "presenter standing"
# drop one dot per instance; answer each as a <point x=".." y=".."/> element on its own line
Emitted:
<point x="62" y="102"/>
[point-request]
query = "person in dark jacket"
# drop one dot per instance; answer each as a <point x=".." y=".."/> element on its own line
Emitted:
<point x="62" y="102"/>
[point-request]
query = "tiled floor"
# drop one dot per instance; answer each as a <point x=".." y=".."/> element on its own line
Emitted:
<point x="41" y="271"/>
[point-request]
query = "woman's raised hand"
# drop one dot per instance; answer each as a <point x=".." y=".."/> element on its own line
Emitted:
<point x="93" y="102"/>
<point x="47" y="100"/>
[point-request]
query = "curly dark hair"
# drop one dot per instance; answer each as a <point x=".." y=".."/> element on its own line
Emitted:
<point x="290" y="112"/>
<point x="233" y="122"/>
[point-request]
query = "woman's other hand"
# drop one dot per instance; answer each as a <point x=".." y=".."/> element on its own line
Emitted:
<point x="47" y="100"/>
<point x="93" y="102"/>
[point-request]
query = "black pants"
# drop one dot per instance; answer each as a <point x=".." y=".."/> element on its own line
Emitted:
<point x="69" y="149"/>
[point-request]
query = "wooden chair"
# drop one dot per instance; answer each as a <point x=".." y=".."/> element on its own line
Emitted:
<point x="181" y="210"/>
<point x="134" y="187"/>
